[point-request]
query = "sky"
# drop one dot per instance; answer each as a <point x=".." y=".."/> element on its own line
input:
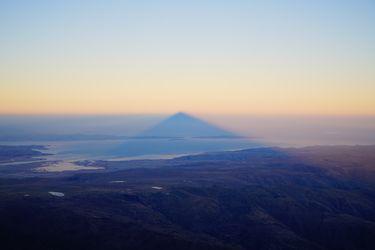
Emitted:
<point x="201" y="56"/>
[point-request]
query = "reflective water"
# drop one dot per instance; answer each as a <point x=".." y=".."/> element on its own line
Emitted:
<point x="131" y="149"/>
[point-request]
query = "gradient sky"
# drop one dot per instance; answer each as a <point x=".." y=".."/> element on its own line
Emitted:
<point x="200" y="56"/>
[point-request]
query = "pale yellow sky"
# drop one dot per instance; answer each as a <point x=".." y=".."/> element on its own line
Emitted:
<point x="230" y="93"/>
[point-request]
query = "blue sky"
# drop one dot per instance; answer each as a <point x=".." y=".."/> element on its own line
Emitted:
<point x="307" y="56"/>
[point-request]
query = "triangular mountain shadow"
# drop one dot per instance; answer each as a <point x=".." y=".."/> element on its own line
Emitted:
<point x="185" y="125"/>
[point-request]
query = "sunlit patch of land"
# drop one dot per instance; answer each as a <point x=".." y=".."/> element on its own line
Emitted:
<point x="64" y="166"/>
<point x="57" y="194"/>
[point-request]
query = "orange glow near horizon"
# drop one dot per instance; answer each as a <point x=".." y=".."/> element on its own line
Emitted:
<point x="223" y="94"/>
<point x="235" y="57"/>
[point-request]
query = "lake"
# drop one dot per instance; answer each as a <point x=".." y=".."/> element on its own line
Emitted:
<point x="137" y="148"/>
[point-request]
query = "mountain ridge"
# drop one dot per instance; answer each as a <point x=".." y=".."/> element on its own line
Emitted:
<point x="182" y="124"/>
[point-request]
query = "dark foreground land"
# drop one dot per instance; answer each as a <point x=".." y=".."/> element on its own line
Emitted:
<point x="308" y="198"/>
<point x="20" y="153"/>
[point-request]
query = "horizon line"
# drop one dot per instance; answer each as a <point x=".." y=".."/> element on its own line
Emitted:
<point x="190" y="113"/>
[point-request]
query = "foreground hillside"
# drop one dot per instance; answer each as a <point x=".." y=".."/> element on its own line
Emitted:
<point x="308" y="198"/>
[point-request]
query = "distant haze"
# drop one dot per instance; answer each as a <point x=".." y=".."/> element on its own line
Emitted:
<point x="274" y="130"/>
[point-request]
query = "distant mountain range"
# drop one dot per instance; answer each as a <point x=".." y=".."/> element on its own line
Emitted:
<point x="185" y="125"/>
